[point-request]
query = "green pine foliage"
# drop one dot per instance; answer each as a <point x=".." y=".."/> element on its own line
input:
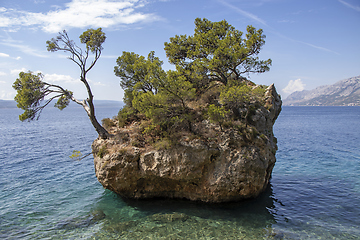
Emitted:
<point x="31" y="94"/>
<point x="217" y="114"/>
<point x="208" y="82"/>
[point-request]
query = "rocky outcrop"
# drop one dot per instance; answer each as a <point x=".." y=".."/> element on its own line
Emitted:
<point x="227" y="165"/>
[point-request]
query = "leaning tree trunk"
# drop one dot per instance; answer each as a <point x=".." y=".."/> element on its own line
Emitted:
<point x="90" y="111"/>
<point x="103" y="133"/>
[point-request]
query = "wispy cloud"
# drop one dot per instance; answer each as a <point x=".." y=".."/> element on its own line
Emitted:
<point x="8" y="56"/>
<point x="78" y="14"/>
<point x="305" y="43"/>
<point x="293" y="86"/>
<point x="317" y="47"/>
<point x="356" y="8"/>
<point x="242" y="12"/>
<point x="285" y="21"/>
<point x="261" y="21"/>
<point x="60" y="78"/>
<point x="24" y="48"/>
<point x="55" y="78"/>
<point x="109" y="56"/>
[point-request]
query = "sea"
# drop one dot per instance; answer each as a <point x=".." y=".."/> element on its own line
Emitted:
<point x="314" y="192"/>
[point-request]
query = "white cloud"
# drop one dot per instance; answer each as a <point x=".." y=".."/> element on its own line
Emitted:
<point x="97" y="83"/>
<point x="7" y="56"/>
<point x="293" y="86"/>
<point x="51" y="78"/>
<point x="4" y="55"/>
<point x="2" y="74"/>
<point x="79" y="14"/>
<point x="17" y="71"/>
<point x="56" y="78"/>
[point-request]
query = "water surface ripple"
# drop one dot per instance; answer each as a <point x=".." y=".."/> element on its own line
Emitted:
<point x="314" y="191"/>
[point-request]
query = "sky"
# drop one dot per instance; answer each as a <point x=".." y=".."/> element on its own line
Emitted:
<point x="311" y="42"/>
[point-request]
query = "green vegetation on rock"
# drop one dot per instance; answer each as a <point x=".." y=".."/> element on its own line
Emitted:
<point x="208" y="82"/>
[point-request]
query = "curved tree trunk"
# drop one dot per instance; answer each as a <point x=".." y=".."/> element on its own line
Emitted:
<point x="90" y="111"/>
<point x="103" y="133"/>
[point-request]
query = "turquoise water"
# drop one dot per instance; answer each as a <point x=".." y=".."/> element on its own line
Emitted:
<point x="314" y="191"/>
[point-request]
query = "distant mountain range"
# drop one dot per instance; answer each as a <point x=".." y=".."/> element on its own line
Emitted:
<point x="98" y="103"/>
<point x="343" y="93"/>
<point x="7" y="104"/>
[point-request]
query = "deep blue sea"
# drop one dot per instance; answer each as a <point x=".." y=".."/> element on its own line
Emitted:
<point x="314" y="191"/>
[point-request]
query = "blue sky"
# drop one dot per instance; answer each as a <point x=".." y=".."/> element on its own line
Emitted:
<point x="311" y="42"/>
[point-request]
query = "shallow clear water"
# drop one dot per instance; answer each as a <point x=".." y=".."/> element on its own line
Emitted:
<point x="314" y="191"/>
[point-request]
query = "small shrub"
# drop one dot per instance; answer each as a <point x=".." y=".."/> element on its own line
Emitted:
<point x="217" y="114"/>
<point x="235" y="95"/>
<point x="211" y="96"/>
<point x="107" y="123"/>
<point x="126" y="115"/>
<point x="239" y="126"/>
<point x="102" y="151"/>
<point x="122" y="137"/>
<point x="228" y="124"/>
<point x="163" y="144"/>
<point x="259" y="91"/>
<point x="136" y="143"/>
<point x="150" y="129"/>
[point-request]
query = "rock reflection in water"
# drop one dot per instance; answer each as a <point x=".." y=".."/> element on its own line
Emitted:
<point x="183" y="219"/>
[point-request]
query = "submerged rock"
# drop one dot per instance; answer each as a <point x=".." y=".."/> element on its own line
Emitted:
<point x="73" y="223"/>
<point x="230" y="164"/>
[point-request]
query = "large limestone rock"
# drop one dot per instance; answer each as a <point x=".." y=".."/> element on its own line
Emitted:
<point x="233" y="165"/>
